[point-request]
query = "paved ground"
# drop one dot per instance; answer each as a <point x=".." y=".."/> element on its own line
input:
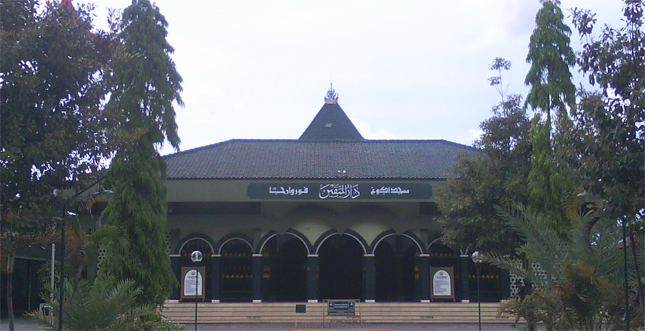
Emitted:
<point x="27" y="324"/>
<point x="349" y="327"/>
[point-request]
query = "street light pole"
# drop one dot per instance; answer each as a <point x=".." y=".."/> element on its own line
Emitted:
<point x="196" y="257"/>
<point x="61" y="292"/>
<point x="625" y="272"/>
<point x="52" y="273"/>
<point x="64" y="213"/>
<point x="478" y="259"/>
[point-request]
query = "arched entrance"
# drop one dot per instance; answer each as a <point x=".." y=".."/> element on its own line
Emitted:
<point x="237" y="275"/>
<point x="199" y="244"/>
<point x="284" y="273"/>
<point x="395" y="269"/>
<point x="341" y="268"/>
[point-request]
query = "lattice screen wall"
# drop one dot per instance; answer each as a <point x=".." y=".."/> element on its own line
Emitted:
<point x="101" y="255"/>
<point x="514" y="278"/>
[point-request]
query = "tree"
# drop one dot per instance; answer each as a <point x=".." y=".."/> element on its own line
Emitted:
<point x="549" y="182"/>
<point x="53" y="134"/>
<point x="550" y="57"/>
<point x="52" y="86"/>
<point x="578" y="283"/>
<point x="139" y="207"/>
<point x="81" y="247"/>
<point x="146" y="85"/>
<point x="551" y="89"/>
<point x="106" y="304"/>
<point x="610" y="120"/>
<point x="498" y="65"/>
<point x="496" y="175"/>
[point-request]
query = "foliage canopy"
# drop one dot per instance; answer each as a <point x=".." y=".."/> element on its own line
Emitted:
<point x="146" y="86"/>
<point x="496" y="176"/>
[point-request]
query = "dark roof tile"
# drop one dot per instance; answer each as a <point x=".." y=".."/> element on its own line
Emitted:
<point x="298" y="159"/>
<point x="331" y="123"/>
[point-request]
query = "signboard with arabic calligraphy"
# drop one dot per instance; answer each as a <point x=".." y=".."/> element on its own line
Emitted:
<point x="339" y="191"/>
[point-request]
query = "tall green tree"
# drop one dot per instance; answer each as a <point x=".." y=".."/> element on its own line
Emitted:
<point x="610" y="121"/>
<point x="52" y="88"/>
<point x="551" y="90"/>
<point x="550" y="56"/>
<point x="147" y="84"/>
<point x="550" y="182"/>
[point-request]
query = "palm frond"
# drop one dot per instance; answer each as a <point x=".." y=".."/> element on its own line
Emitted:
<point x="107" y="304"/>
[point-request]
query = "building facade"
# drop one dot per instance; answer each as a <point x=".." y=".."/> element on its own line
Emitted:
<point x="330" y="215"/>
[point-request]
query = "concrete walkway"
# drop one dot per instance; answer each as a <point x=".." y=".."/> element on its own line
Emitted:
<point x="355" y="327"/>
<point x="28" y="324"/>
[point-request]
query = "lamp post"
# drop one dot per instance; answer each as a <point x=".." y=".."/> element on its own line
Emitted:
<point x="196" y="257"/>
<point x="478" y="258"/>
<point x="625" y="272"/>
<point x="65" y="213"/>
<point x="61" y="293"/>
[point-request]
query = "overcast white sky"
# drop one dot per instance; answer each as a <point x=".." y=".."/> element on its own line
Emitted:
<point x="412" y="69"/>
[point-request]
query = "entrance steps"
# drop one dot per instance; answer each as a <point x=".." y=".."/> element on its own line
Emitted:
<point x="413" y="312"/>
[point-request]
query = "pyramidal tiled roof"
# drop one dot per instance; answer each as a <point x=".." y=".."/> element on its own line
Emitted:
<point x="331" y="123"/>
<point x="322" y="152"/>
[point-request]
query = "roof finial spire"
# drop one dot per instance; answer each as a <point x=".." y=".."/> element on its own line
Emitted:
<point x="332" y="96"/>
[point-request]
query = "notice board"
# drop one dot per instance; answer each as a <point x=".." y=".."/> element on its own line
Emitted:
<point x="192" y="283"/>
<point x="442" y="285"/>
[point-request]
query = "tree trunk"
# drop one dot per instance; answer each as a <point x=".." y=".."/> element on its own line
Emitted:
<point x="641" y="290"/>
<point x="10" y="262"/>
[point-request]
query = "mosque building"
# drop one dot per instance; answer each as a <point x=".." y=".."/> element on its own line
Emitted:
<point x="330" y="215"/>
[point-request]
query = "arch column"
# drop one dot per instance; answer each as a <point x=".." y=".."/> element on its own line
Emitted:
<point x="216" y="262"/>
<point x="369" y="291"/>
<point x="256" y="266"/>
<point x="312" y="278"/>
<point x="175" y="265"/>
<point x="424" y="276"/>
<point x="465" y="282"/>
<point x="505" y="280"/>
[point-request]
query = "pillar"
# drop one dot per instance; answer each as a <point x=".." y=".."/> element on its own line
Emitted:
<point x="424" y="276"/>
<point x="369" y="280"/>
<point x="312" y="278"/>
<point x="505" y="283"/>
<point x="256" y="266"/>
<point x="175" y="265"/>
<point x="464" y="261"/>
<point x="216" y="276"/>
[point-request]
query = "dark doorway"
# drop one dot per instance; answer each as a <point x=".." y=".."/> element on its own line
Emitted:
<point x="341" y="268"/>
<point x="236" y="275"/>
<point x="284" y="275"/>
<point x="27" y="285"/>
<point x="395" y="269"/>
